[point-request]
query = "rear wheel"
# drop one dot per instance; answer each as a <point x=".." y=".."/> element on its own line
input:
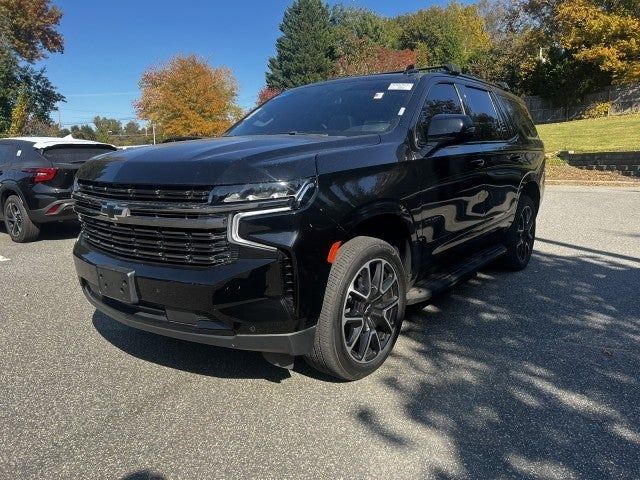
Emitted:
<point x="521" y="235"/>
<point x="362" y="310"/>
<point x="17" y="222"/>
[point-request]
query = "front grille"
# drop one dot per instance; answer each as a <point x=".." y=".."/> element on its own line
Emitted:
<point x="170" y="194"/>
<point x="159" y="244"/>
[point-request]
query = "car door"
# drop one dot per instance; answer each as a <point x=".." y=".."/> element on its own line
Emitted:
<point x="454" y="195"/>
<point x="510" y="159"/>
<point x="7" y="152"/>
<point x="494" y="133"/>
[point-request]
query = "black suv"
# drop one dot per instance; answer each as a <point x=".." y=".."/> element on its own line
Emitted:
<point x="314" y="221"/>
<point x="36" y="179"/>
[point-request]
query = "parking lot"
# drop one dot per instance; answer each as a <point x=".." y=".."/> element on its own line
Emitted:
<point x="527" y="375"/>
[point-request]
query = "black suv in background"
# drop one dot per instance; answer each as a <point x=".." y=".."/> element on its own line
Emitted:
<point x="36" y="179"/>
<point x="313" y="222"/>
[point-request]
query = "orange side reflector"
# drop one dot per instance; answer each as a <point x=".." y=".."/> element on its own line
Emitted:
<point x="333" y="251"/>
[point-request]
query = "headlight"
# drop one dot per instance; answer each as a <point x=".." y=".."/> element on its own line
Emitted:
<point x="294" y="190"/>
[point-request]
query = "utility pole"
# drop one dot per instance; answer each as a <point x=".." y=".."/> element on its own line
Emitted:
<point x="153" y="128"/>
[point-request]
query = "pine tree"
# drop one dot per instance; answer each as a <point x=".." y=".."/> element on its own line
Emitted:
<point x="19" y="114"/>
<point x="305" y="51"/>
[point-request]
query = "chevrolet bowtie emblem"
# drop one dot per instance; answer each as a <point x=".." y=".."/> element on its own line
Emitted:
<point x="114" y="211"/>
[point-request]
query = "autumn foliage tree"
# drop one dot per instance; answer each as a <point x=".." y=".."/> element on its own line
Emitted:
<point x="267" y="93"/>
<point x="28" y="32"/>
<point x="608" y="40"/>
<point x="363" y="57"/>
<point x="28" y="28"/>
<point x="188" y="97"/>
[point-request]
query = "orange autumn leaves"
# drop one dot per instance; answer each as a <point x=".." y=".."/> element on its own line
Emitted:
<point x="188" y="97"/>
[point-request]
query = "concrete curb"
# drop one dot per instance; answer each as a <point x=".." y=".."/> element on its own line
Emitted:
<point x="604" y="183"/>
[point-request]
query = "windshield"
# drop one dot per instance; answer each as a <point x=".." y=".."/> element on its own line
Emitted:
<point x="341" y="108"/>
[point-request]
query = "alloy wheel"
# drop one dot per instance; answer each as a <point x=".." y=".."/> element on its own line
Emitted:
<point x="370" y="312"/>
<point x="14" y="220"/>
<point x="525" y="233"/>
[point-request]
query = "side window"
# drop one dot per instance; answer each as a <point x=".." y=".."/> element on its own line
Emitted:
<point x="442" y="98"/>
<point x="519" y="116"/>
<point x="480" y="108"/>
<point x="6" y="154"/>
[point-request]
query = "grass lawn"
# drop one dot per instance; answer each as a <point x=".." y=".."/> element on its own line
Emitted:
<point x="592" y="135"/>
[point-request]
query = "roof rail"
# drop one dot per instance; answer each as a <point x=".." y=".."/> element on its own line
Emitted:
<point x="448" y="67"/>
<point x="452" y="69"/>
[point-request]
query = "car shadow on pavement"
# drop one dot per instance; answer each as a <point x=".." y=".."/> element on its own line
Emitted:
<point x="54" y="231"/>
<point x="528" y="375"/>
<point x="190" y="357"/>
<point x="144" y="475"/>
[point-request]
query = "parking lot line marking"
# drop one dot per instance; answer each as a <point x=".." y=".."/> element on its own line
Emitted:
<point x="4" y="259"/>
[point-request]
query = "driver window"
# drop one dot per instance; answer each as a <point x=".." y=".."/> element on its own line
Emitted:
<point x="442" y="98"/>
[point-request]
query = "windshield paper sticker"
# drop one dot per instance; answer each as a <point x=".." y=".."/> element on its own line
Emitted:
<point x="401" y="112"/>
<point x="378" y="96"/>
<point x="400" y="86"/>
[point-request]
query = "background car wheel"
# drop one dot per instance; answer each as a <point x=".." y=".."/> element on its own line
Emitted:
<point x="362" y="311"/>
<point x="17" y="222"/>
<point x="521" y="235"/>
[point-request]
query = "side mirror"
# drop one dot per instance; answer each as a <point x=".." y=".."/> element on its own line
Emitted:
<point x="442" y="129"/>
<point x="450" y="128"/>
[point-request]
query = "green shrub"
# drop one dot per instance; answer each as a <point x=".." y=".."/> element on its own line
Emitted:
<point x="597" y="110"/>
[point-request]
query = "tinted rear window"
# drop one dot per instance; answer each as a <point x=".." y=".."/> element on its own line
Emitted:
<point x="480" y="108"/>
<point x="74" y="154"/>
<point x="519" y="116"/>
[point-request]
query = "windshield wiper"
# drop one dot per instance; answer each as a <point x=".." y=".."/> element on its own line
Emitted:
<point x="293" y="132"/>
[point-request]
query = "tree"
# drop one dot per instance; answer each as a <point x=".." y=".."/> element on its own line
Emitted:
<point x="455" y="34"/>
<point x="106" y="127"/>
<point x="27" y="33"/>
<point x="362" y="57"/>
<point x="305" y="51"/>
<point x="608" y="41"/>
<point x="28" y="28"/>
<point x="188" y="97"/>
<point x="562" y="79"/>
<point x="19" y="114"/>
<point x="361" y="23"/>
<point x="267" y="94"/>
<point x="84" y="132"/>
<point x="132" y="128"/>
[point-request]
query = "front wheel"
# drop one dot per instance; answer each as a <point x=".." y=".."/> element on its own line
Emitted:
<point x="521" y="235"/>
<point x="362" y="311"/>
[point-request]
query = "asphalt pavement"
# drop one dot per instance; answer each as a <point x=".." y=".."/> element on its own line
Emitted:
<point x="530" y="375"/>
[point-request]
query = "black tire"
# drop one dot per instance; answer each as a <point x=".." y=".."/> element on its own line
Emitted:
<point x="520" y="237"/>
<point x="17" y="222"/>
<point x="373" y="324"/>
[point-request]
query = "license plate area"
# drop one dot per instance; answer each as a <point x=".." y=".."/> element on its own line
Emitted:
<point x="119" y="285"/>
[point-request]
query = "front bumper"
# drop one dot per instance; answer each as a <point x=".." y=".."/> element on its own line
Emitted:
<point x="241" y="305"/>
<point x="296" y="343"/>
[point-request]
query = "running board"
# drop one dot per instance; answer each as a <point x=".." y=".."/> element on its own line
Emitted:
<point x="437" y="283"/>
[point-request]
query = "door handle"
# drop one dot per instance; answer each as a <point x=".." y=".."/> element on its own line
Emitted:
<point x="478" y="162"/>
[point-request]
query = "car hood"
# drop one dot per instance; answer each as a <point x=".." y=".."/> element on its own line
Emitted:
<point x="220" y="161"/>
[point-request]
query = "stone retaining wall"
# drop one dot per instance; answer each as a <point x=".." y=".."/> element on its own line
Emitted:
<point x="627" y="163"/>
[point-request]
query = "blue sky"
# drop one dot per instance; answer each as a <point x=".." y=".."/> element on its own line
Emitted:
<point x="109" y="44"/>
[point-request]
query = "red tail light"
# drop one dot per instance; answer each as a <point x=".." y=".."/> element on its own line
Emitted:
<point x="42" y="174"/>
